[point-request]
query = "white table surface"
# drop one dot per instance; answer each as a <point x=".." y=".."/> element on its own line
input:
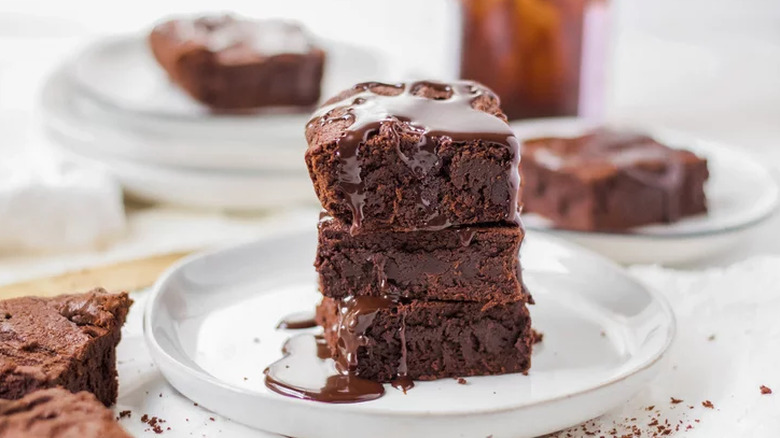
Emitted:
<point x="707" y="67"/>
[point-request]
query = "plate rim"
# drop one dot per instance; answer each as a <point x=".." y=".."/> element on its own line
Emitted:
<point x="156" y="349"/>
<point x="771" y="197"/>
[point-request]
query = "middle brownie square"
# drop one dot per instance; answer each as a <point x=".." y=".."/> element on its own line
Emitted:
<point x="475" y="263"/>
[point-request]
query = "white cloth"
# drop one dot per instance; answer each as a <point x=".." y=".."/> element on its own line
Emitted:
<point x="728" y="332"/>
<point x="47" y="206"/>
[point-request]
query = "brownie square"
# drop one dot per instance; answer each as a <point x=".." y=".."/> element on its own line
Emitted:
<point x="229" y="63"/>
<point x="476" y="263"/>
<point x="608" y="180"/>
<point x="414" y="156"/>
<point x="56" y="412"/>
<point x="379" y="339"/>
<point x="67" y="341"/>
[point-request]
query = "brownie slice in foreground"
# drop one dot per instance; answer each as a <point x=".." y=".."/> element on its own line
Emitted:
<point x="415" y="156"/>
<point x="58" y="413"/>
<point x="231" y="63"/>
<point x="379" y="339"/>
<point x="475" y="263"/>
<point x="67" y="341"/>
<point x="609" y="180"/>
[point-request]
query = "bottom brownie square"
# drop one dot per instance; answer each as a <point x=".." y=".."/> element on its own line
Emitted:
<point x="379" y="339"/>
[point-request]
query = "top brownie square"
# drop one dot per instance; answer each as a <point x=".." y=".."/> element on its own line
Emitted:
<point x="610" y="180"/>
<point x="415" y="156"/>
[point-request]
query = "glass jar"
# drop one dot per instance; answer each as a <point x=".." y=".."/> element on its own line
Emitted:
<point x="543" y="57"/>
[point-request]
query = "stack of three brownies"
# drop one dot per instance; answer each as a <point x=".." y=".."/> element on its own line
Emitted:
<point x="420" y="234"/>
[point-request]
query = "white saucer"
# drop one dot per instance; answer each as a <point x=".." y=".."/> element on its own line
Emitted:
<point x="210" y="321"/>
<point x="741" y="193"/>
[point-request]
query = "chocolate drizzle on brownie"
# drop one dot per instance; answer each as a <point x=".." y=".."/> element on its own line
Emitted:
<point x="307" y="371"/>
<point x="449" y="116"/>
<point x="298" y="321"/>
<point x="627" y="152"/>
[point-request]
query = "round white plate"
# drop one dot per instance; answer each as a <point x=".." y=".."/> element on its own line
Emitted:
<point x="210" y="321"/>
<point x="741" y="193"/>
<point x="113" y="98"/>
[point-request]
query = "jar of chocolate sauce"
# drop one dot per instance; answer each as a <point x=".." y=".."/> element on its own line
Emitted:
<point x="544" y="58"/>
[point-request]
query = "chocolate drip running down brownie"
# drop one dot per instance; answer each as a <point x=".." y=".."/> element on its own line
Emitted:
<point x="380" y="339"/>
<point x="477" y="263"/>
<point x="58" y="413"/>
<point x="230" y="63"/>
<point x="67" y="341"/>
<point x="609" y="180"/>
<point x="416" y="156"/>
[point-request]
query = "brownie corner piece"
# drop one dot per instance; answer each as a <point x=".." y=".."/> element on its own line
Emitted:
<point x="67" y="341"/>
<point x="610" y="180"/>
<point x="231" y="63"/>
<point x="57" y="412"/>
<point x="426" y="340"/>
<point x="414" y="156"/>
<point x="475" y="263"/>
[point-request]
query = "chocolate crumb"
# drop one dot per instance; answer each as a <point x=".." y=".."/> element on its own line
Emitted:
<point x="462" y="381"/>
<point x="765" y="390"/>
<point x="145" y="418"/>
<point x="675" y="400"/>
<point x="650" y="408"/>
<point x="195" y="404"/>
<point x="211" y="418"/>
<point x="708" y="404"/>
<point x="124" y="414"/>
<point x="538" y="337"/>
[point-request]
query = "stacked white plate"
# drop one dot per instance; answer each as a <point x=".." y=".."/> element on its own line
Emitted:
<point x="112" y="106"/>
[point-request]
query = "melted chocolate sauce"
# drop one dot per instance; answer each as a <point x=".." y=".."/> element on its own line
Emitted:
<point x="450" y="119"/>
<point x="298" y="321"/>
<point x="357" y="314"/>
<point x="627" y="152"/>
<point x="307" y="371"/>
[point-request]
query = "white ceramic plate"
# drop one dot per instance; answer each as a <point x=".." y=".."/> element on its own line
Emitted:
<point x="604" y="337"/>
<point x="741" y="193"/>
<point x="112" y="97"/>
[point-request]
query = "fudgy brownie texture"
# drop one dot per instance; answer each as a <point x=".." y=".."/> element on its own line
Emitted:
<point x="609" y="180"/>
<point x="67" y="341"/>
<point x="416" y="156"/>
<point x="379" y="339"/>
<point x="230" y="63"/>
<point x="475" y="263"/>
<point x="58" y="413"/>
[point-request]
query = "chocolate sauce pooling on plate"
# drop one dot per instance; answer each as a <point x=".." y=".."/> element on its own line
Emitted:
<point x="298" y="321"/>
<point x="452" y="117"/>
<point x="307" y="371"/>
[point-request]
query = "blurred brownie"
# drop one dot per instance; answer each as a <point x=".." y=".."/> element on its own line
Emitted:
<point x="58" y="413"/>
<point x="67" y="341"/>
<point x="415" y="156"/>
<point x="380" y="339"/>
<point x="610" y="180"/>
<point x="230" y="63"/>
<point x="475" y="263"/>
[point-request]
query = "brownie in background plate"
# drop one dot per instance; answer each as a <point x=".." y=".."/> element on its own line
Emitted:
<point x="379" y="339"/>
<point x="58" y="413"/>
<point x="231" y="63"/>
<point x="476" y="263"/>
<point x="416" y="156"/>
<point x="67" y="341"/>
<point x="610" y="180"/>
